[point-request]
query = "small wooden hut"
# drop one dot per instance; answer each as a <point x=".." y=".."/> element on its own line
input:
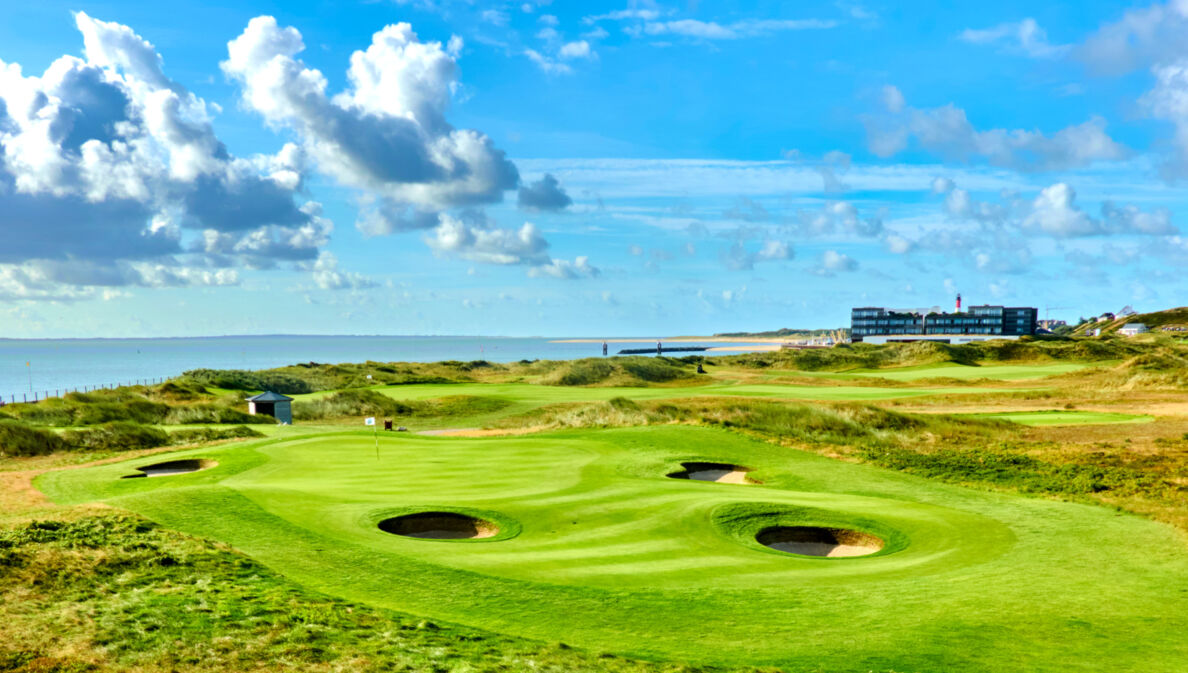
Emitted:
<point x="272" y="404"/>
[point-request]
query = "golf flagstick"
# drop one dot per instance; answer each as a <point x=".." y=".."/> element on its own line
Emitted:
<point x="370" y="420"/>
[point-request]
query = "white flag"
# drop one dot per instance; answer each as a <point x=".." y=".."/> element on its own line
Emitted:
<point x="370" y="420"/>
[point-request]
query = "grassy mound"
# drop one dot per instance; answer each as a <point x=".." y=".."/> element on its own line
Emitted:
<point x="619" y="371"/>
<point x="354" y="403"/>
<point x="19" y="439"/>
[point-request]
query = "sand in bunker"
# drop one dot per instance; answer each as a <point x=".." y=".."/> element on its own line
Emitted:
<point x="821" y="542"/>
<point x="172" y="467"/>
<point x="722" y="473"/>
<point x="439" y="526"/>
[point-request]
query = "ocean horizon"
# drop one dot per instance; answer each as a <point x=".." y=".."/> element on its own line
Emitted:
<point x="41" y="367"/>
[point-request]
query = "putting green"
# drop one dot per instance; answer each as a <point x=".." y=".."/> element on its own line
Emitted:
<point x="1055" y="418"/>
<point x="597" y="548"/>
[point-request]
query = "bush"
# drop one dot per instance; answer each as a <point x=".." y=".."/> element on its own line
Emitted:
<point x="586" y="372"/>
<point x="138" y="411"/>
<point x="238" y="379"/>
<point x="196" y="435"/>
<point x="214" y="413"/>
<point x="654" y="370"/>
<point x="350" y="403"/>
<point x="18" y="439"/>
<point x="116" y="436"/>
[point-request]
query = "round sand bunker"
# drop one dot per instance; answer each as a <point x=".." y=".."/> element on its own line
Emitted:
<point x="439" y="526"/>
<point x="173" y="467"/>
<point x="814" y="541"/>
<point x="722" y="473"/>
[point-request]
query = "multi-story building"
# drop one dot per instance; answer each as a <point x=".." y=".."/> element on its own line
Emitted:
<point x="978" y="323"/>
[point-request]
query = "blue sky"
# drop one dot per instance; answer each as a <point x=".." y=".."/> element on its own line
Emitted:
<point x="552" y="168"/>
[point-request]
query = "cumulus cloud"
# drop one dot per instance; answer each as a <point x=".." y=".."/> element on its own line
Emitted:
<point x="1054" y="212"/>
<point x="546" y="194"/>
<point x="328" y="277"/>
<point x="833" y="262"/>
<point x="738" y="257"/>
<point x="946" y="131"/>
<point x="475" y="237"/>
<point x="1025" y="37"/>
<point x="837" y="216"/>
<point x="575" y="50"/>
<point x="108" y="164"/>
<point x="386" y="133"/>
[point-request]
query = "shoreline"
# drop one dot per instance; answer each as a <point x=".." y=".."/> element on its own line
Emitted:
<point x="679" y="339"/>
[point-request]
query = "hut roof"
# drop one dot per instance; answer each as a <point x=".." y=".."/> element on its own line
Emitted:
<point x="269" y="396"/>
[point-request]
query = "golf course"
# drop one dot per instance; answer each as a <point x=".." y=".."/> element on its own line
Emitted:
<point x="801" y="520"/>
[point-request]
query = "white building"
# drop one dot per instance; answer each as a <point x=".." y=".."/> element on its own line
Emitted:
<point x="1132" y="328"/>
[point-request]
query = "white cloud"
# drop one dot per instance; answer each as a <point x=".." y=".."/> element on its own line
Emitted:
<point x="548" y="65"/>
<point x="836" y="262"/>
<point x="386" y="134"/>
<point x="1150" y="35"/>
<point x="623" y="15"/>
<point x="328" y="277"/>
<point x="739" y="258"/>
<point x="1025" y="37"/>
<point x="495" y="17"/>
<point x="476" y="238"/>
<point x="946" y="131"/>
<point x="710" y="30"/>
<point x="574" y="50"/>
<point x="108" y="163"/>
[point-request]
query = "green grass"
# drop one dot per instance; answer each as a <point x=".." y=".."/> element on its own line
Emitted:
<point x="613" y="557"/>
<point x="1056" y="417"/>
<point x="952" y="370"/>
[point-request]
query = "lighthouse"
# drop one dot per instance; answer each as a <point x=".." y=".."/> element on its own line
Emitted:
<point x="959" y="302"/>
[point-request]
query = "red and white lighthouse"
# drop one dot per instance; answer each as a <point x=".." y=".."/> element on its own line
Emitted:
<point x="959" y="302"/>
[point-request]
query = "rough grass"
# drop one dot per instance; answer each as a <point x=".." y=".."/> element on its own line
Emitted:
<point x="117" y="593"/>
<point x="355" y="403"/>
<point x="19" y="439"/>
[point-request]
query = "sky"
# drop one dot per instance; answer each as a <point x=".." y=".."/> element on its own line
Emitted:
<point x="582" y="169"/>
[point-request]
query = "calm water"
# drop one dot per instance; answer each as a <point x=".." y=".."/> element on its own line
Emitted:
<point x="58" y="364"/>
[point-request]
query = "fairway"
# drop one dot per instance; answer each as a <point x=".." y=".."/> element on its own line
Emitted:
<point x="598" y="548"/>
<point x="1013" y="372"/>
<point x="1058" y="418"/>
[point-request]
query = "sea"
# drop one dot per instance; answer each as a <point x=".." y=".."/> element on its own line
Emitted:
<point x="37" y="368"/>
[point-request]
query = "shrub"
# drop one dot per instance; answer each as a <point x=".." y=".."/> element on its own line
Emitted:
<point x="586" y="372"/>
<point x="116" y="436"/>
<point x="196" y="435"/>
<point x="18" y="439"/>
<point x="654" y="370"/>
<point x="238" y="379"/>
<point x="214" y="413"/>
<point x="350" y="403"/>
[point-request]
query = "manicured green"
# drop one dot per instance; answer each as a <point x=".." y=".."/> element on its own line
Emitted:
<point x="612" y="556"/>
<point x="1057" y="417"/>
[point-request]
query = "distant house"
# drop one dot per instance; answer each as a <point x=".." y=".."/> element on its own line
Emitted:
<point x="1105" y="317"/>
<point x="1096" y="331"/>
<point x="1132" y="328"/>
<point x="272" y="404"/>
